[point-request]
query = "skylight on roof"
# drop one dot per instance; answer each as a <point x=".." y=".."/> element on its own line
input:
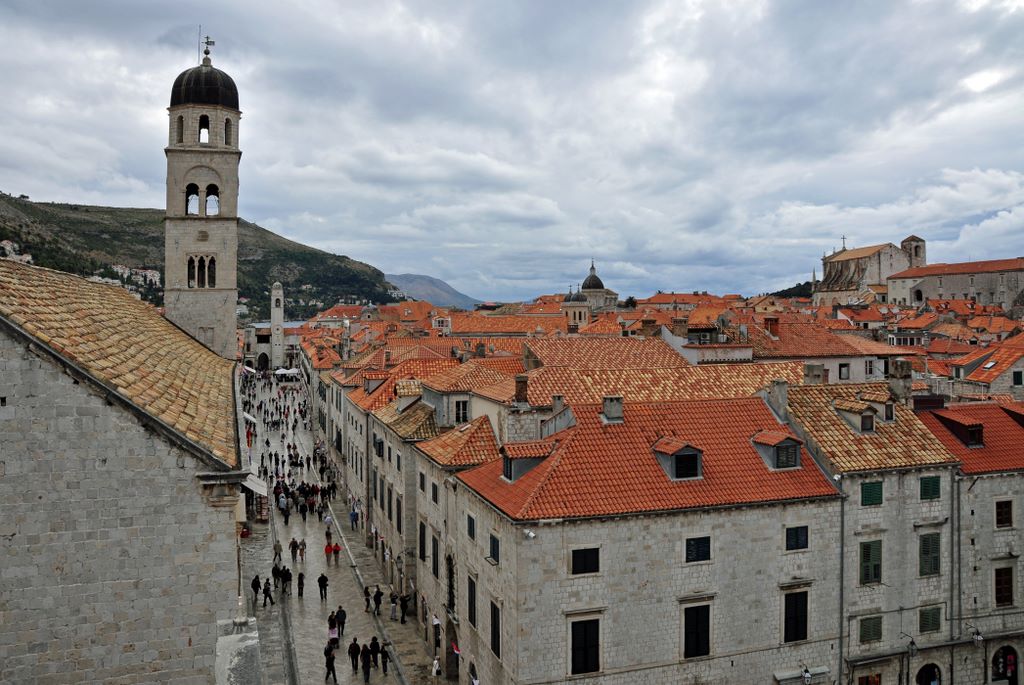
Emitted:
<point x="988" y="365"/>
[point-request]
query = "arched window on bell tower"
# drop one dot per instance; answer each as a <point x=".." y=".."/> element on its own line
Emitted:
<point x="192" y="199"/>
<point x="180" y="134"/>
<point x="227" y="132"/>
<point x="212" y="200"/>
<point x="204" y="129"/>
<point x="201" y="273"/>
<point x="191" y="272"/>
<point x="211" y="273"/>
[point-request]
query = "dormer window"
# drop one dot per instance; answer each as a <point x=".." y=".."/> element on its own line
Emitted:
<point x="506" y="468"/>
<point x="975" y="437"/>
<point x="867" y="423"/>
<point x="860" y="415"/>
<point x="778" y="449"/>
<point x="786" y="455"/>
<point x="890" y="411"/>
<point x="679" y="459"/>
<point x="686" y="465"/>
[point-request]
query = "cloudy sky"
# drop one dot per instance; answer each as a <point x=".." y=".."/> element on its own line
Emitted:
<point x="500" y="145"/>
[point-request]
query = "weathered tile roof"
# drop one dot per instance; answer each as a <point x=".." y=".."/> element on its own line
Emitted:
<point x="901" y="443"/>
<point x="466" y="445"/>
<point x="416" y="422"/>
<point x="1002" y="435"/>
<point x="873" y="348"/>
<point x="465" y="377"/>
<point x="605" y="353"/>
<point x="997" y="359"/>
<point x="800" y="340"/>
<point x="126" y="345"/>
<point x="386" y="392"/>
<point x="597" y="469"/>
<point x="855" y="253"/>
<point x="987" y="266"/>
<point x="468" y="324"/>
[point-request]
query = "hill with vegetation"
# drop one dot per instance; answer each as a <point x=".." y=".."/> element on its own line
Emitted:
<point x="88" y="240"/>
<point x="798" y="290"/>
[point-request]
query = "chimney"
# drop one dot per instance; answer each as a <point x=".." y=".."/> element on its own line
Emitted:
<point x="647" y="327"/>
<point x="814" y="374"/>
<point x="522" y="383"/>
<point x="481" y="350"/>
<point x="572" y="328"/>
<point x="777" y="396"/>
<point x="387" y="357"/>
<point x="612" y="409"/>
<point x="557" y="403"/>
<point x="680" y="326"/>
<point x="771" y="324"/>
<point x="900" y="379"/>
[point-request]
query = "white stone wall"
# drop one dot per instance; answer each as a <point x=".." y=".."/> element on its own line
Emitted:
<point x="115" y="567"/>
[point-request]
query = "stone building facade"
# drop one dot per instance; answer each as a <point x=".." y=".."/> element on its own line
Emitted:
<point x="997" y="281"/>
<point x="859" y="274"/>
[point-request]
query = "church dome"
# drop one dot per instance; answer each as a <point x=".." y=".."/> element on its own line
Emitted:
<point x="204" y="85"/>
<point x="592" y="282"/>
<point x="578" y="297"/>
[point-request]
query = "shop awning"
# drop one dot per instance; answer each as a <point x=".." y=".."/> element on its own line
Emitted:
<point x="255" y="484"/>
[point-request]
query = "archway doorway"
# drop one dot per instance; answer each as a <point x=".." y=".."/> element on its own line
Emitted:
<point x="929" y="675"/>
<point x="263" y="362"/>
<point x="451" y="658"/>
<point x="1005" y="666"/>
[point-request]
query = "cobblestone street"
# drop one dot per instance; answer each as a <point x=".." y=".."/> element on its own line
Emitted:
<point x="307" y="615"/>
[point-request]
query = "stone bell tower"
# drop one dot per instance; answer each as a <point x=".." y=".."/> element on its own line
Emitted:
<point x="201" y="223"/>
<point x="276" y="326"/>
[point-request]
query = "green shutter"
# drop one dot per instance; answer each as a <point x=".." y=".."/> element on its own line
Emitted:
<point x="870" y="562"/>
<point x="929" y="620"/>
<point x="930" y="487"/>
<point x="871" y="629"/>
<point x="871" y="493"/>
<point x="928" y="557"/>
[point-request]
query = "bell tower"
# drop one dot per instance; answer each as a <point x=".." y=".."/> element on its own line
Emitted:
<point x="276" y="326"/>
<point x="201" y="222"/>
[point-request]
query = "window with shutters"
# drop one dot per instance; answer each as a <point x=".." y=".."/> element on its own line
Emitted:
<point x="586" y="646"/>
<point x="871" y="562"/>
<point x="928" y="554"/>
<point x="929" y="620"/>
<point x="698" y="549"/>
<point x="795" y="617"/>
<point x="873" y="679"/>
<point x="423" y="482"/>
<point x="433" y="493"/>
<point x="495" y="630"/>
<point x="470" y="527"/>
<point x="587" y="560"/>
<point x="471" y="600"/>
<point x="1004" y="514"/>
<point x="871" y="629"/>
<point x="1004" y="587"/>
<point x="696" y="631"/>
<point x="796" y="538"/>
<point x="930" y="487"/>
<point x="786" y="456"/>
<point x="495" y="550"/>
<point x="871" y="493"/>
<point x="686" y="465"/>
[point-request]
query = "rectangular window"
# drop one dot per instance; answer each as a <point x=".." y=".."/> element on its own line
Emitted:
<point x="929" y="620"/>
<point x="471" y="600"/>
<point x="398" y="461"/>
<point x="871" y="562"/>
<point x="930" y="487"/>
<point x="398" y="515"/>
<point x="433" y="493"/>
<point x="1004" y="587"/>
<point x="423" y="482"/>
<point x="928" y="554"/>
<point x="389" y="454"/>
<point x="874" y="679"/>
<point x="698" y="549"/>
<point x="471" y="527"/>
<point x="795" y="620"/>
<point x="461" y="411"/>
<point x="506" y="468"/>
<point x="495" y="630"/>
<point x="869" y="367"/>
<point x="390" y="517"/>
<point x="586" y="646"/>
<point x="423" y="541"/>
<point x="871" y="629"/>
<point x="380" y="480"/>
<point x="495" y="550"/>
<point x="696" y="631"/>
<point x="435" y="563"/>
<point x="890" y="411"/>
<point x="586" y="560"/>
<point x="796" y="538"/>
<point x="871" y="493"/>
<point x="844" y="372"/>
<point x="1004" y="514"/>
<point x="867" y="423"/>
<point x="687" y="465"/>
<point x="1018" y="377"/>
<point x="786" y="456"/>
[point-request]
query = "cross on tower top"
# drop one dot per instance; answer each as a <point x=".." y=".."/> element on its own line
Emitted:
<point x="844" y="241"/>
<point x="208" y="43"/>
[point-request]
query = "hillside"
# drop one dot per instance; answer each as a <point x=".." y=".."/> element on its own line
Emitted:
<point x="83" y="239"/>
<point x="431" y="289"/>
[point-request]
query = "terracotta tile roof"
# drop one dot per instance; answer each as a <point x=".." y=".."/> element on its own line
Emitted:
<point x="465" y="377"/>
<point x="681" y="299"/>
<point x="856" y="253"/>
<point x="601" y="326"/>
<point x="919" y="323"/>
<point x="1002" y="435"/>
<point x="469" y="324"/>
<point x="773" y="437"/>
<point x="904" y="442"/>
<point x="997" y="360"/>
<point x="408" y="387"/>
<point x="869" y="347"/>
<point x="865" y="315"/>
<point x="994" y="324"/>
<point x="126" y="345"/>
<point x="416" y="422"/>
<point x="987" y="266"/>
<point x="385" y="393"/>
<point x="466" y="445"/>
<point x="838" y="325"/>
<point x="532" y="449"/>
<point x="804" y="340"/>
<point x="949" y="346"/>
<point x="507" y="366"/>
<point x="852" y="405"/>
<point x="597" y="469"/>
<point x="605" y="353"/>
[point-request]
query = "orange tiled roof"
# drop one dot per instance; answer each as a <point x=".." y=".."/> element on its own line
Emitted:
<point x="469" y="324"/>
<point x="996" y="360"/>
<point x="1002" y="435"/>
<point x="921" y="322"/>
<point x="507" y="366"/>
<point x="416" y="422"/>
<point x="605" y="353"/>
<point x="904" y="442"/>
<point x="124" y="344"/>
<point x="803" y="340"/>
<point x="681" y="299"/>
<point x="867" y="346"/>
<point x="601" y="326"/>
<point x="466" y="445"/>
<point x="465" y="377"/>
<point x="597" y="469"/>
<point x="987" y="266"/>
<point x="856" y="253"/>
<point x="994" y="324"/>
<point x="385" y="392"/>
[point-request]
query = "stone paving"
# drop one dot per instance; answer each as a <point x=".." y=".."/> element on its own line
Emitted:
<point x="308" y="615"/>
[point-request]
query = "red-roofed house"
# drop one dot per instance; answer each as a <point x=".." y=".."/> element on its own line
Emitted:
<point x="995" y="281"/>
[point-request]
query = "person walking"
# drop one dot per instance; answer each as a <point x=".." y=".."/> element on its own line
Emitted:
<point x="364" y="657"/>
<point x="374" y="651"/>
<point x="385" y="657"/>
<point x="340" y="616"/>
<point x="276" y="573"/>
<point x="366" y="597"/>
<point x="322" y="582"/>
<point x="352" y="518"/>
<point x="266" y="593"/>
<point x="329" y="662"/>
<point x="293" y="547"/>
<point x="328" y="550"/>
<point x="302" y="582"/>
<point x="337" y="553"/>
<point x="302" y="550"/>
<point x="255" y="585"/>
<point x="394" y="605"/>
<point x="277" y="550"/>
<point x="403" y="601"/>
<point x="353" y="654"/>
<point x="377" y="597"/>
<point x="303" y="509"/>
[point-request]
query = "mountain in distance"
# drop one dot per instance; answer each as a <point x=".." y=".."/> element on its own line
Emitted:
<point x="87" y="240"/>
<point x="431" y="289"/>
<point x="798" y="290"/>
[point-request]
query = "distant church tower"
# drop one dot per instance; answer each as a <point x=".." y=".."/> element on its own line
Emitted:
<point x="276" y="326"/>
<point x="201" y="224"/>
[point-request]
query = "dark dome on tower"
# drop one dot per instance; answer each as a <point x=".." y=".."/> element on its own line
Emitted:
<point x="204" y="85"/>
<point x="592" y="282"/>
